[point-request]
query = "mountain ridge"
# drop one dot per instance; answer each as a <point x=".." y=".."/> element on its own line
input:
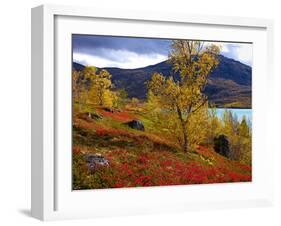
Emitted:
<point x="229" y="84"/>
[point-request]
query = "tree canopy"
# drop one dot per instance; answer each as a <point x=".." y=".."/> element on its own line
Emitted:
<point x="193" y="61"/>
<point x="94" y="86"/>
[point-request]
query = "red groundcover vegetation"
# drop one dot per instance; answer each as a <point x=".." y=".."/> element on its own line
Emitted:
<point x="139" y="159"/>
<point x="155" y="169"/>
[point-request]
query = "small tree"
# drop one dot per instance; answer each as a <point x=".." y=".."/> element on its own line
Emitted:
<point x="121" y="99"/>
<point x="97" y="86"/>
<point x="100" y="92"/>
<point x="243" y="128"/>
<point x="94" y="87"/>
<point x="244" y="132"/>
<point x="78" y="87"/>
<point x="89" y="75"/>
<point x="239" y="136"/>
<point x="214" y="125"/>
<point x="81" y="85"/>
<point x="184" y="96"/>
<point x="134" y="102"/>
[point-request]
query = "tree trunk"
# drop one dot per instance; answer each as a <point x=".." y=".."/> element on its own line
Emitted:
<point x="184" y="130"/>
<point x="185" y="139"/>
<point x="79" y="102"/>
<point x="100" y="98"/>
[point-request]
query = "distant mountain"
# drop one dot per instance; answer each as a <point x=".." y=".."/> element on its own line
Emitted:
<point x="229" y="85"/>
<point x="77" y="66"/>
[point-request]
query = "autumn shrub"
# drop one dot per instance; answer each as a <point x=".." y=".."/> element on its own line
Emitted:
<point x="214" y="126"/>
<point x="237" y="133"/>
<point x="168" y="123"/>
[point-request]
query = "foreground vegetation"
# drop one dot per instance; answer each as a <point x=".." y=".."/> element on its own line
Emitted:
<point x="144" y="158"/>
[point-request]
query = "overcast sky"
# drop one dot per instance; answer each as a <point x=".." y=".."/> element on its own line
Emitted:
<point x="107" y="51"/>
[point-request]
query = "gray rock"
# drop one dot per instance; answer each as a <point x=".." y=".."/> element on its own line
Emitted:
<point x="94" y="115"/>
<point x="136" y="124"/>
<point x="95" y="161"/>
<point x="90" y="116"/>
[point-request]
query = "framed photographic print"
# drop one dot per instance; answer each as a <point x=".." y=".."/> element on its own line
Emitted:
<point x="141" y="113"/>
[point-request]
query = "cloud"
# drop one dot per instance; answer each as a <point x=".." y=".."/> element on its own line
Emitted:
<point x="123" y="52"/>
<point x="239" y="51"/>
<point x="128" y="52"/>
<point x="130" y="60"/>
<point x="92" y="43"/>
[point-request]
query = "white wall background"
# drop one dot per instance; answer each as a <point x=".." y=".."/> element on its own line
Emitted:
<point x="15" y="112"/>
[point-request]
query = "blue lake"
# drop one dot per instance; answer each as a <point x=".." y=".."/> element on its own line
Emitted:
<point x="239" y="113"/>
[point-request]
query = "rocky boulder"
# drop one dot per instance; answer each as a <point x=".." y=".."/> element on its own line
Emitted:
<point x="136" y="124"/>
<point x="108" y="109"/>
<point x="221" y="145"/>
<point x="95" y="161"/>
<point x="90" y="116"/>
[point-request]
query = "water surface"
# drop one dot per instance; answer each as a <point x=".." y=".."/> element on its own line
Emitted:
<point x="239" y="113"/>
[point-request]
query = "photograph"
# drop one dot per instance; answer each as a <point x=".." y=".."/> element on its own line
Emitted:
<point x="160" y="111"/>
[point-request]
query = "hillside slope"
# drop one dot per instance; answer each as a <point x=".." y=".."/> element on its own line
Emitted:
<point x="143" y="158"/>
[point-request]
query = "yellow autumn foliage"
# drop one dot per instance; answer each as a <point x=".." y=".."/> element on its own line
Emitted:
<point x="183" y="98"/>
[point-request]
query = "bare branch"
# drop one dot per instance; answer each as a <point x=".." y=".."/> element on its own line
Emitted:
<point x="204" y="100"/>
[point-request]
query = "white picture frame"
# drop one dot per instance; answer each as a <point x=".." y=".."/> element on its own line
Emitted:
<point x="52" y="198"/>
